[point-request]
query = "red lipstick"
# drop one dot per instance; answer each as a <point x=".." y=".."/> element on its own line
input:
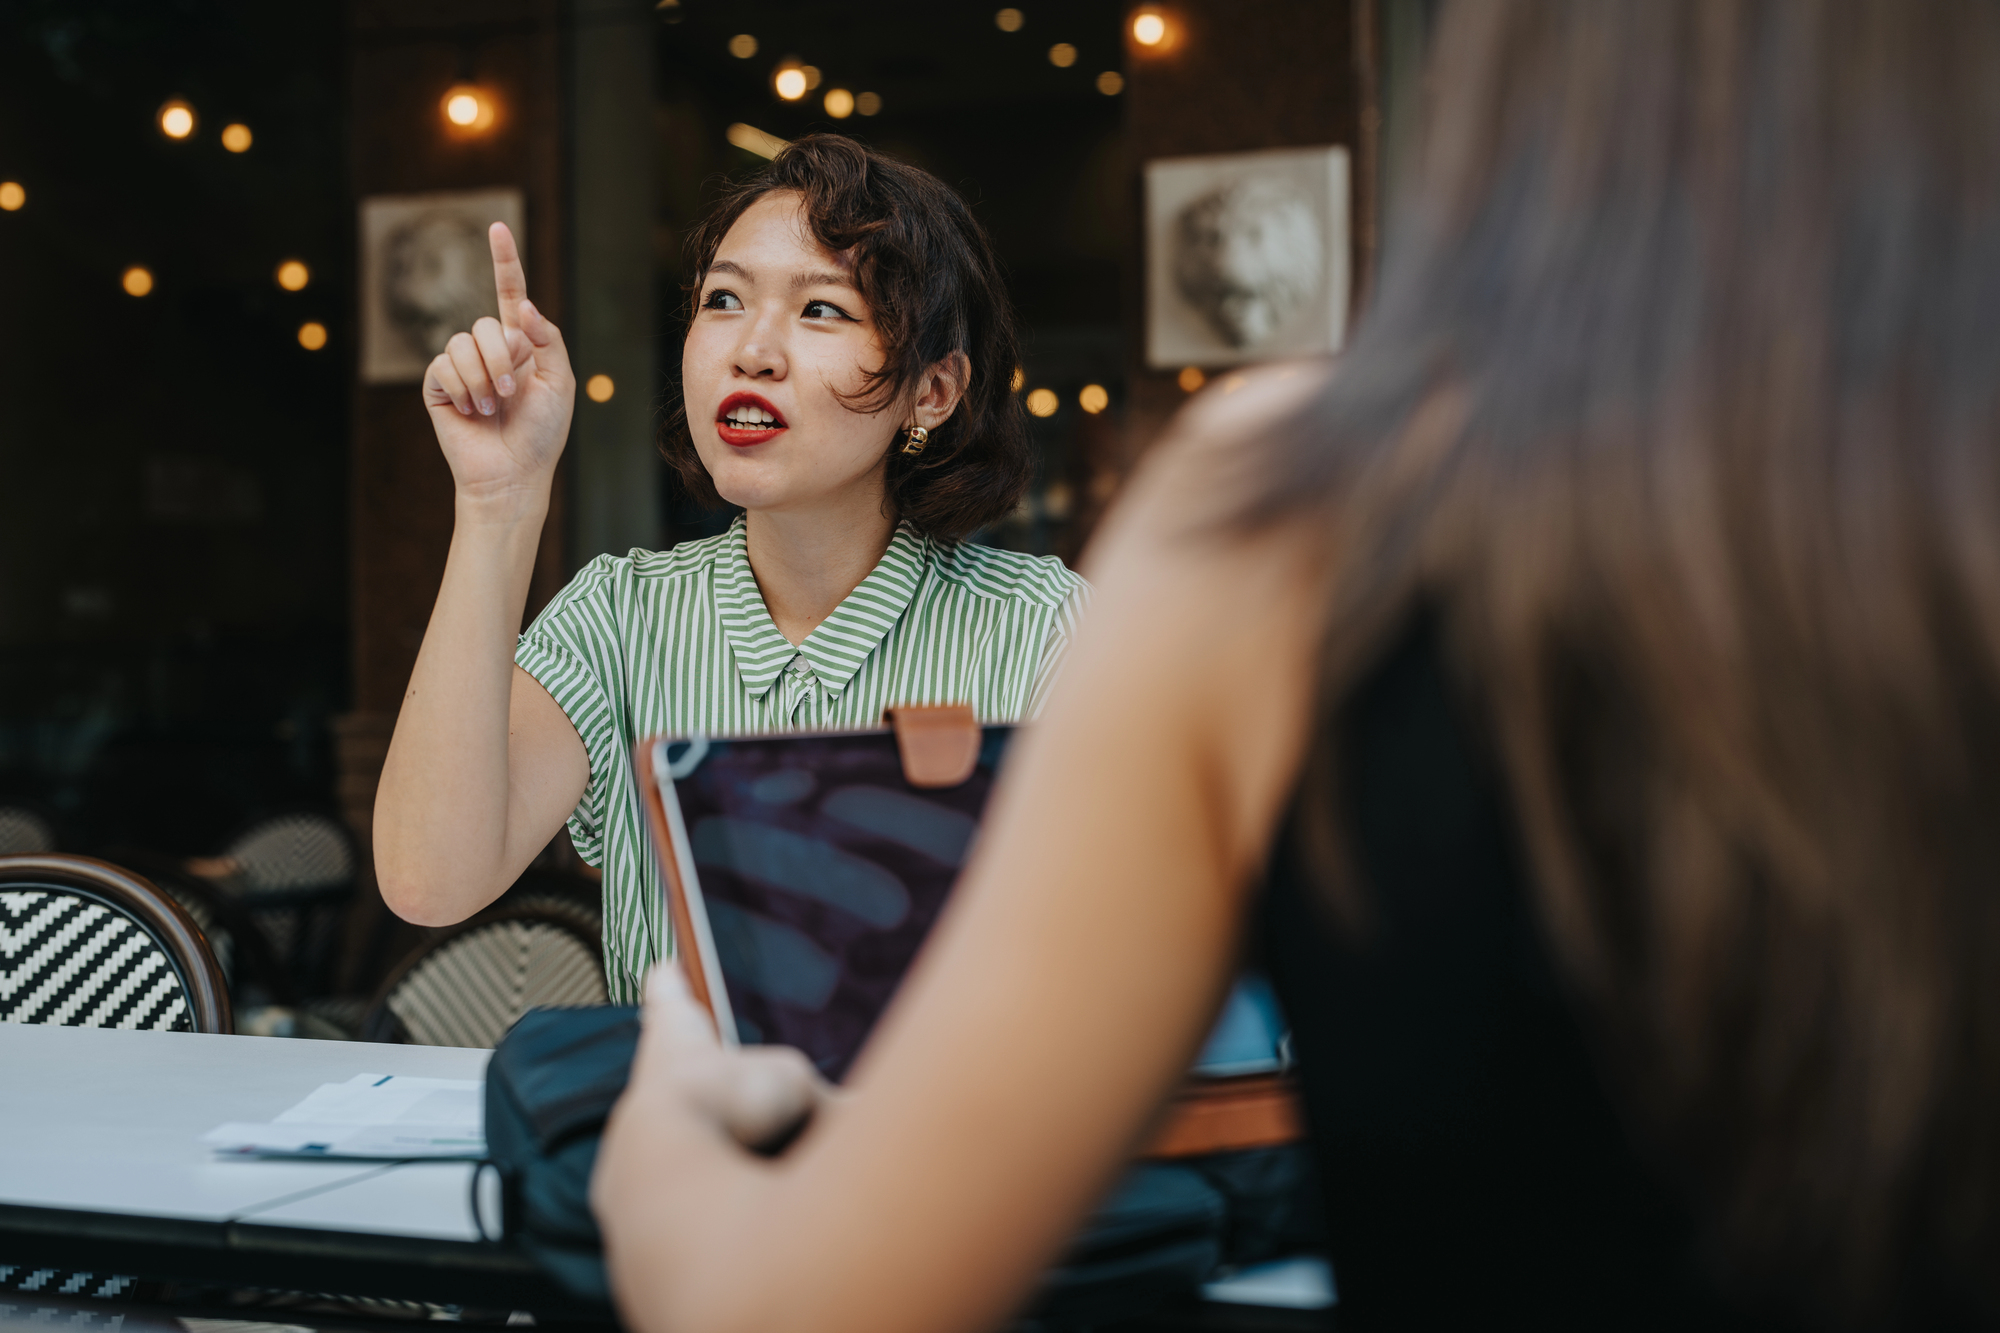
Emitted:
<point x="745" y="419"/>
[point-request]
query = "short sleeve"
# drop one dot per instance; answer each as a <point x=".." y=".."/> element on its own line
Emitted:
<point x="1062" y="631"/>
<point x="575" y="650"/>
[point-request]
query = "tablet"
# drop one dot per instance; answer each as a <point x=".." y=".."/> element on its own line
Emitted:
<point x="803" y="873"/>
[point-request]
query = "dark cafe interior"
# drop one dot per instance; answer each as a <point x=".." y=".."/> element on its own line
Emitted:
<point x="1132" y="666"/>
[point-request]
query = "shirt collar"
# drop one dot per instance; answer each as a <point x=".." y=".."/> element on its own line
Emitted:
<point x="839" y="644"/>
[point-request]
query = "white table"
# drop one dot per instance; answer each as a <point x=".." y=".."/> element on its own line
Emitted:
<point x="102" y="1168"/>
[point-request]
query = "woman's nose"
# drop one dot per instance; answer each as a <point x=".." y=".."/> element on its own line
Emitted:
<point x="761" y="353"/>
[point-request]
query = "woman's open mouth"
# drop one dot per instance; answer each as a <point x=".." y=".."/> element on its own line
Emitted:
<point x="745" y="419"/>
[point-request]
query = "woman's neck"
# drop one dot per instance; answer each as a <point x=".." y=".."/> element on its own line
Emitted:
<point x="807" y="562"/>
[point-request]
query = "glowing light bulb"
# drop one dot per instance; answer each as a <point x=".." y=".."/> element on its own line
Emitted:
<point x="1043" y="402"/>
<point x="599" y="388"/>
<point x="1190" y="379"/>
<point x="468" y="110"/>
<point x="312" y="335"/>
<point x="839" y="103"/>
<point x="1111" y="83"/>
<point x="1008" y="20"/>
<point x="137" y="281"/>
<point x="1062" y="55"/>
<point x="1094" y="398"/>
<point x="1149" y="29"/>
<point x="12" y="196"/>
<point x="790" y="83"/>
<point x="236" y="138"/>
<point x="868" y="103"/>
<point x="293" y="275"/>
<point x="743" y="46"/>
<point x="812" y="76"/>
<point x="176" y="119"/>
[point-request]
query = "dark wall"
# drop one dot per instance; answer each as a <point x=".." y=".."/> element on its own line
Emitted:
<point x="172" y="521"/>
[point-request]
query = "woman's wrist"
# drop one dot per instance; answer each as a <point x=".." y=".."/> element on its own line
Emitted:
<point x="522" y="505"/>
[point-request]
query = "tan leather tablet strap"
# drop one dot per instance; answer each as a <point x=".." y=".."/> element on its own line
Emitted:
<point x="939" y="743"/>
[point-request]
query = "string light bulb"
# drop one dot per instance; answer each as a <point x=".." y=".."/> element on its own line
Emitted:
<point x="236" y="138"/>
<point x="839" y="103"/>
<point x="1043" y="402"/>
<point x="599" y="388"/>
<point x="312" y="335"/>
<point x="789" y="82"/>
<point x="1008" y="20"/>
<point x="12" y="196"/>
<point x="1094" y="398"/>
<point x="743" y="46"/>
<point x="176" y="119"/>
<point x="1149" y="27"/>
<point x="868" y="103"/>
<point x="1111" y="83"/>
<point x="136" y="280"/>
<point x="468" y="110"/>
<point x="293" y="275"/>
<point x="1062" y="55"/>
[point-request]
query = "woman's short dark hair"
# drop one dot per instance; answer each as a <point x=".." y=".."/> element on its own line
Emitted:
<point x="929" y="274"/>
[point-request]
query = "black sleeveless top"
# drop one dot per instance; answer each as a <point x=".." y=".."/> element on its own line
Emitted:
<point x="1474" y="1172"/>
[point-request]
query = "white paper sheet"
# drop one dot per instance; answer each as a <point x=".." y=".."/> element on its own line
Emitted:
<point x="376" y="1116"/>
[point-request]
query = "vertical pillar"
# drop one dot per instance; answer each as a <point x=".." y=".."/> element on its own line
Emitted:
<point x="616" y="471"/>
<point x="402" y="59"/>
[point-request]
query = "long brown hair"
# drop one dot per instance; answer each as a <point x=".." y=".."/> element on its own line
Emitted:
<point x="1680" y="407"/>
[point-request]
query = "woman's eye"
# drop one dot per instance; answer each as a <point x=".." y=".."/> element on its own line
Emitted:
<point x="721" y="300"/>
<point x="825" y="310"/>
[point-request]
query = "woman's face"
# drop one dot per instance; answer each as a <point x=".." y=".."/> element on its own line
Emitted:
<point x="779" y="330"/>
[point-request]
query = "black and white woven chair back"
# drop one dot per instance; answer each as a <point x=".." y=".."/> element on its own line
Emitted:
<point x="24" y="833"/>
<point x="86" y="944"/>
<point x="294" y="853"/>
<point x="469" y="986"/>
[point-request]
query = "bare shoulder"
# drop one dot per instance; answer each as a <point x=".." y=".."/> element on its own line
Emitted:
<point x="1181" y="501"/>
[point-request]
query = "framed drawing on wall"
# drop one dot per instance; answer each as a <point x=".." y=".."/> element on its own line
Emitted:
<point x="1246" y="256"/>
<point x="426" y="273"/>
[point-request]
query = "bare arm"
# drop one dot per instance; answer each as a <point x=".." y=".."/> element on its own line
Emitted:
<point x="1065" y="994"/>
<point x="484" y="766"/>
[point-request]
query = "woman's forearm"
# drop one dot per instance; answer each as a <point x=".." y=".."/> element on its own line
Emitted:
<point x="443" y="846"/>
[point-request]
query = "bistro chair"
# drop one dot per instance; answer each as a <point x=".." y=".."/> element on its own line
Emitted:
<point x="293" y="874"/>
<point x="24" y="833"/>
<point x="473" y="981"/>
<point x="84" y="943"/>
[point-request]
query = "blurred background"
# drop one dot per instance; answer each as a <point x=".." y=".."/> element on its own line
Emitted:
<point x="223" y="525"/>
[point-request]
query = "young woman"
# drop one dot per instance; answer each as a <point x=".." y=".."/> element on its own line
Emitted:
<point x="1590" y="689"/>
<point x="846" y="382"/>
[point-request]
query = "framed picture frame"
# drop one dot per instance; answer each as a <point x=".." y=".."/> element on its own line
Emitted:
<point x="1246" y="256"/>
<point x="426" y="273"/>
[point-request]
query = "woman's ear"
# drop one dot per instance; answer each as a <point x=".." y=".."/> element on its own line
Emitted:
<point x="940" y="389"/>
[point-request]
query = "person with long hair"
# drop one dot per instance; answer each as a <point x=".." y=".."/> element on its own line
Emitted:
<point x="1584" y="697"/>
<point x="847" y="381"/>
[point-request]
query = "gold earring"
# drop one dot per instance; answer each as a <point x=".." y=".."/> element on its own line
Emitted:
<point x="916" y="437"/>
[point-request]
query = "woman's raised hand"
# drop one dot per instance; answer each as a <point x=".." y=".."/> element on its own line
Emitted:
<point x="500" y="396"/>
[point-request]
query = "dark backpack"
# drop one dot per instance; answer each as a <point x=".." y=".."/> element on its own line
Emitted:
<point x="1167" y="1227"/>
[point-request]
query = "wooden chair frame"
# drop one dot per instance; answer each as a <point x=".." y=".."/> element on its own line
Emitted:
<point x="133" y="896"/>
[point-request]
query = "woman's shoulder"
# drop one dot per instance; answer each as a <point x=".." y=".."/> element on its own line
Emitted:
<point x="681" y="560"/>
<point x="992" y="571"/>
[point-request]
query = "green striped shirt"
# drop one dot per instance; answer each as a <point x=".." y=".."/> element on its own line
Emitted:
<point x="678" y="642"/>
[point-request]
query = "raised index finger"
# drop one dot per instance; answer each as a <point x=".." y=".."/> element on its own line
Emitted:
<point x="508" y="277"/>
